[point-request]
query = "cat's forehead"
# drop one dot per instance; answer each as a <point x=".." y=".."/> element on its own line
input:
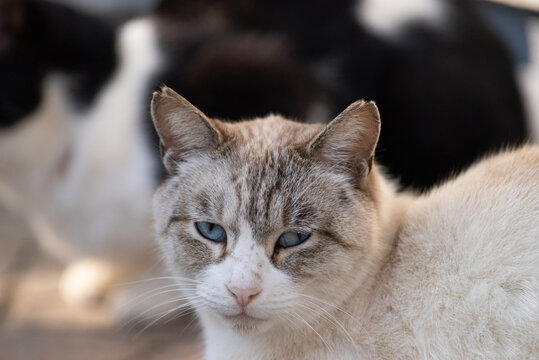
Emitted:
<point x="261" y="179"/>
<point x="271" y="133"/>
<point x="270" y="189"/>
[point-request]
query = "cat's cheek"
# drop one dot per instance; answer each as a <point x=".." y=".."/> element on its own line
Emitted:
<point x="184" y="252"/>
<point x="307" y="263"/>
<point x="194" y="256"/>
<point x="187" y="256"/>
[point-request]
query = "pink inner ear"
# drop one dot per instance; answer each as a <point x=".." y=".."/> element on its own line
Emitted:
<point x="352" y="136"/>
<point x="182" y="128"/>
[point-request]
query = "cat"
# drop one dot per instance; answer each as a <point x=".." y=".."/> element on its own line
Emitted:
<point x="291" y="243"/>
<point x="78" y="152"/>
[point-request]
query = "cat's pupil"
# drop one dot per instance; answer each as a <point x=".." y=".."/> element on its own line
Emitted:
<point x="289" y="239"/>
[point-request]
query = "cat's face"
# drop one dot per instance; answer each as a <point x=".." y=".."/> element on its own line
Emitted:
<point x="273" y="220"/>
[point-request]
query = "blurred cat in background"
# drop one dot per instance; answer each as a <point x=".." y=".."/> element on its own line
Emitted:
<point x="77" y="151"/>
<point x="434" y="66"/>
<point x="79" y="156"/>
<point x="66" y="95"/>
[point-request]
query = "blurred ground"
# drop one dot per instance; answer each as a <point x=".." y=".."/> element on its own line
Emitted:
<point x="35" y="324"/>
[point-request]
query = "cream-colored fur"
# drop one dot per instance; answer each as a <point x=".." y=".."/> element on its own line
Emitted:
<point x="452" y="274"/>
<point x="463" y="279"/>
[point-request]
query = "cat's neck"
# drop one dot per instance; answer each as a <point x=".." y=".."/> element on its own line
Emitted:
<point x="391" y="208"/>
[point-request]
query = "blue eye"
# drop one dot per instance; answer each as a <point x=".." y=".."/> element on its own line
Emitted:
<point x="211" y="231"/>
<point x="289" y="239"/>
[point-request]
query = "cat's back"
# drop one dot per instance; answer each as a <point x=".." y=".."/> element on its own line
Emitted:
<point x="465" y="272"/>
<point x="492" y="202"/>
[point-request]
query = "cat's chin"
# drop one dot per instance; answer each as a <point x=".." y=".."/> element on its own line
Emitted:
<point x="246" y="324"/>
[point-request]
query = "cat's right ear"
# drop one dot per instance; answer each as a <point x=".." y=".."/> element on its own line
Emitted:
<point x="183" y="129"/>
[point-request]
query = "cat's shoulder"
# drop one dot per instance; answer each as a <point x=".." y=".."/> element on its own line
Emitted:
<point x="464" y="268"/>
<point x="503" y="178"/>
<point x="487" y="205"/>
<point x="503" y="187"/>
<point x="510" y="167"/>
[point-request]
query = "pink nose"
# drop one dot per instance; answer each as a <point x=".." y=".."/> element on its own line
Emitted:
<point x="243" y="296"/>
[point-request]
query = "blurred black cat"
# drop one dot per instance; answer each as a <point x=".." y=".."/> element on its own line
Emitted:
<point x="77" y="156"/>
<point x="445" y="82"/>
<point x="78" y="153"/>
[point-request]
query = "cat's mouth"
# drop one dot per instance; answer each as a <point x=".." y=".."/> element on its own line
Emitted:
<point x="242" y="317"/>
<point x="244" y="322"/>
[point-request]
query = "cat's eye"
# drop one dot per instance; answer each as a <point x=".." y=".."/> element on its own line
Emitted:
<point x="289" y="239"/>
<point x="211" y="231"/>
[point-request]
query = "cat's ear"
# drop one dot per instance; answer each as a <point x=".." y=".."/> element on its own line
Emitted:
<point x="183" y="129"/>
<point x="349" y="140"/>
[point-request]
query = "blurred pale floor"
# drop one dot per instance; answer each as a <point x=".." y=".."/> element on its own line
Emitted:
<point x="35" y="324"/>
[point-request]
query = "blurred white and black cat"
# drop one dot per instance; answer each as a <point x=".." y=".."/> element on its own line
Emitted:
<point x="78" y="154"/>
<point x="434" y="66"/>
<point x="291" y="244"/>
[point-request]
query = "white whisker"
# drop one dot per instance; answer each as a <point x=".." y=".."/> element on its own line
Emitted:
<point x="175" y="278"/>
<point x="328" y="304"/>
<point x="168" y="312"/>
<point x="186" y="300"/>
<point x="350" y="317"/>
<point x="154" y="292"/>
<point x="293" y="313"/>
<point x="334" y="321"/>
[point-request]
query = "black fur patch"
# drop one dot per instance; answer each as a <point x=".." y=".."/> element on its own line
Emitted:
<point x="49" y="39"/>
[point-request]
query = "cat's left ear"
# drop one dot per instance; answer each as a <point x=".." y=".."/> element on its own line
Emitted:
<point x="350" y="139"/>
<point x="184" y="131"/>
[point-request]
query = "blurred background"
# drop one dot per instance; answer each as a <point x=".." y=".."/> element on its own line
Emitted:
<point x="79" y="159"/>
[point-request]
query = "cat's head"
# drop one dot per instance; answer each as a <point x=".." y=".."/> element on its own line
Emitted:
<point x="271" y="219"/>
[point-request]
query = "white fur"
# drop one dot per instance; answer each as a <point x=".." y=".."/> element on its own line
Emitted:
<point x="246" y="265"/>
<point x="389" y="18"/>
<point x="112" y="159"/>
